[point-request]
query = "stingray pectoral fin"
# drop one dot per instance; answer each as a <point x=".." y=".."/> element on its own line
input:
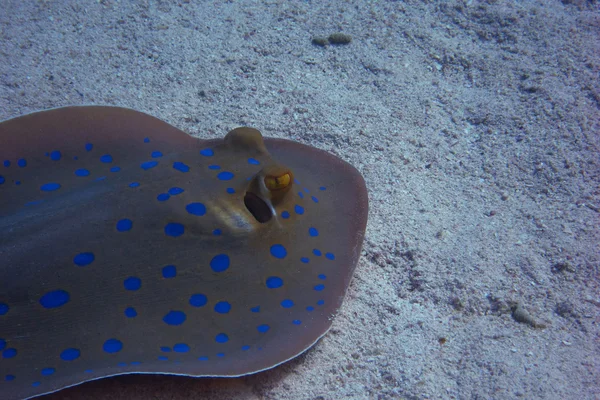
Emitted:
<point x="35" y="134"/>
<point x="58" y="148"/>
<point x="345" y="191"/>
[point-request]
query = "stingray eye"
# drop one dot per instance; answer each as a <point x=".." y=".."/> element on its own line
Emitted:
<point x="279" y="182"/>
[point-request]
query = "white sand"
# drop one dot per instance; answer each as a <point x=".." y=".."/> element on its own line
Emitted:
<point x="475" y="125"/>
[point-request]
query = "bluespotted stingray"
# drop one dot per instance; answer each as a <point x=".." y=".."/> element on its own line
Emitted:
<point x="129" y="246"/>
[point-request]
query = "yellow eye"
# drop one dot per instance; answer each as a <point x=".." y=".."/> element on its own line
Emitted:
<point x="275" y="183"/>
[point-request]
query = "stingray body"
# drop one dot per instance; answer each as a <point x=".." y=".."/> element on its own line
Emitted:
<point x="128" y="246"/>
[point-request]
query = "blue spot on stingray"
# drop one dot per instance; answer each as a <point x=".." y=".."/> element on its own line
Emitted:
<point x="313" y="231"/>
<point x="54" y="299"/>
<point x="83" y="259"/>
<point x="124" y="225"/>
<point x="89" y="371"/>
<point x="203" y="358"/>
<point x="170" y="271"/>
<point x="132" y="283"/>
<point x="6" y="163"/>
<point x="317" y="252"/>
<point x="48" y="371"/>
<point x="314" y="199"/>
<point x="175" y="318"/>
<point x="31" y="203"/>
<point x="122" y="364"/>
<point x="245" y="348"/>
<point x="148" y="164"/>
<point x="156" y="154"/>
<point x="230" y="190"/>
<point x="179" y="166"/>
<point x="101" y="178"/>
<point x="2" y="180"/>
<point x="298" y="209"/>
<point x="163" y="197"/>
<point x="89" y="147"/>
<point x="163" y="358"/>
<point x="225" y="176"/>
<point x="196" y="209"/>
<point x="135" y="363"/>
<point x="50" y="187"/>
<point x="255" y="309"/>
<point x="2" y="344"/>
<point x="296" y="322"/>
<point x="322" y="188"/>
<point x="222" y="307"/>
<point x="36" y="384"/>
<point x="278" y="251"/>
<point x="220" y="354"/>
<point x="174" y="191"/>
<point x="217" y="232"/>
<point x="130" y="312"/>
<point x="134" y="184"/>
<point x="207" y="152"/>
<point x="287" y="303"/>
<point x="253" y="161"/>
<point x="181" y="348"/>
<point x="22" y="162"/>
<point x="107" y="158"/>
<point x="305" y="260"/>
<point x="146" y="140"/>
<point x="322" y="277"/>
<point x="9" y="378"/>
<point x="165" y="349"/>
<point x="219" y="263"/>
<point x="215" y="167"/>
<point x="3" y="308"/>
<point x="301" y="195"/>
<point x="319" y="287"/>
<point x="55" y="155"/>
<point x="274" y="282"/>
<point x="17" y="182"/>
<point x="115" y="169"/>
<point x="70" y="354"/>
<point x="198" y="300"/>
<point x="75" y="158"/>
<point x="310" y="308"/>
<point x="329" y="256"/>
<point x="321" y="302"/>
<point x="221" y="338"/>
<point x="9" y="353"/>
<point x="82" y="172"/>
<point x="112" y="346"/>
<point x="285" y="215"/>
<point x="263" y="328"/>
<point x="174" y="229"/>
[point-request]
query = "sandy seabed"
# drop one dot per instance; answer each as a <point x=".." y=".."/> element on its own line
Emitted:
<point x="475" y="124"/>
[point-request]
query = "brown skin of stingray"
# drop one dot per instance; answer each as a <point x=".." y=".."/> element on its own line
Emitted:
<point x="85" y="212"/>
